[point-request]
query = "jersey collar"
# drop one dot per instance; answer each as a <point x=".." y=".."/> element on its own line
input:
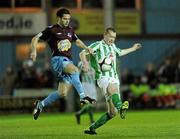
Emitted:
<point x="61" y="26"/>
<point x="103" y="42"/>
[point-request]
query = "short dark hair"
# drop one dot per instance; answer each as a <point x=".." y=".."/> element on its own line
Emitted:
<point x="60" y="12"/>
<point x="110" y="29"/>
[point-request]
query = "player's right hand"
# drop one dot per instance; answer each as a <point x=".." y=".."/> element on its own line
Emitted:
<point x="137" y="46"/>
<point x="33" y="56"/>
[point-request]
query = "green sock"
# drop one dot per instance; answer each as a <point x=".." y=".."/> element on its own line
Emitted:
<point x="84" y="109"/>
<point x="101" y="121"/>
<point x="90" y="112"/>
<point x="116" y="101"/>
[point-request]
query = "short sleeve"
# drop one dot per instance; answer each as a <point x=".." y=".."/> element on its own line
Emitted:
<point x="74" y="36"/>
<point x="117" y="50"/>
<point x="95" y="46"/>
<point x="45" y="34"/>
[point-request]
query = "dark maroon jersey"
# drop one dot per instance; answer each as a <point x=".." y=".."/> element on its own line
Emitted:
<point x="54" y="34"/>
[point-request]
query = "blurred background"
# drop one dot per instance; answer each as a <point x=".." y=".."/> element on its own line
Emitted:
<point x="150" y="77"/>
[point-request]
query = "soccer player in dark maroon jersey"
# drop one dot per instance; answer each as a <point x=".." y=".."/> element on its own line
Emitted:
<point x="59" y="38"/>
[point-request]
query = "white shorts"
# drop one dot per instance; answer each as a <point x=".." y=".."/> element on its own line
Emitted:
<point x="90" y="90"/>
<point x="103" y="83"/>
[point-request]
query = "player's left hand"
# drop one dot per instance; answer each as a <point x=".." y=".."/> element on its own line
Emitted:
<point x="137" y="46"/>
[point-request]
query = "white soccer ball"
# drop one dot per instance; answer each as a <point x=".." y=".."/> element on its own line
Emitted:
<point x="106" y="65"/>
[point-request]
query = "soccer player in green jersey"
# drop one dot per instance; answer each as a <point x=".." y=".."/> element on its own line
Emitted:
<point x="103" y="60"/>
<point x="89" y="85"/>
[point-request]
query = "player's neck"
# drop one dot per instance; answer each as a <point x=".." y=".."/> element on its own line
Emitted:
<point x="106" y="42"/>
<point x="61" y="25"/>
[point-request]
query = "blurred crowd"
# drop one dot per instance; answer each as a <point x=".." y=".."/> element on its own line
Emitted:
<point x="27" y="76"/>
<point x="156" y="87"/>
<point x="168" y="72"/>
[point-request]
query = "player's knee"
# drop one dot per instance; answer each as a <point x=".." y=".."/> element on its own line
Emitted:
<point x="112" y="89"/>
<point x="63" y="94"/>
<point x="70" y="69"/>
<point x="74" y="69"/>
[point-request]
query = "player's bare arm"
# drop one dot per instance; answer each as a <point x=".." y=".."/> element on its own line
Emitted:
<point x="34" y="42"/>
<point x="80" y="44"/>
<point x="135" y="47"/>
<point x="83" y="58"/>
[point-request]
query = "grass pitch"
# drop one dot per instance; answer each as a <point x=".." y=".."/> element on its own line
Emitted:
<point x="138" y="125"/>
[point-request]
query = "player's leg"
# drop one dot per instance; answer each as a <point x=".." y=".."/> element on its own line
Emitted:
<point x="62" y="91"/>
<point x="93" y="94"/>
<point x="71" y="69"/>
<point x="112" y="110"/>
<point x="103" y="119"/>
<point x="110" y="87"/>
<point x="91" y="113"/>
<point x="111" y="92"/>
<point x="113" y="103"/>
<point x="83" y="110"/>
<point x="87" y="108"/>
<point x="103" y="84"/>
<point x="57" y="63"/>
<point x="114" y="95"/>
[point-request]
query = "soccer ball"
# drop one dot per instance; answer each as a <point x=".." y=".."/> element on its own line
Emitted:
<point x="106" y="65"/>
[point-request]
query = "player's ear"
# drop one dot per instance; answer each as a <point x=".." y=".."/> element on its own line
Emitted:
<point x="104" y="34"/>
<point x="58" y="19"/>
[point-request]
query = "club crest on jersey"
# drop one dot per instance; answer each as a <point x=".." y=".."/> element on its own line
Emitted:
<point x="111" y="57"/>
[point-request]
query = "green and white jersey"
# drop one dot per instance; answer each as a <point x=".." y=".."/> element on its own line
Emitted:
<point x="87" y="77"/>
<point x="102" y="50"/>
<point x="88" y="81"/>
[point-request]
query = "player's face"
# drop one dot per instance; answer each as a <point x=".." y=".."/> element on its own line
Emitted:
<point x="64" y="21"/>
<point x="110" y="37"/>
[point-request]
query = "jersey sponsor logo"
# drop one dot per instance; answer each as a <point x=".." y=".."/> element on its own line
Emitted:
<point x="64" y="45"/>
<point x="59" y="33"/>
